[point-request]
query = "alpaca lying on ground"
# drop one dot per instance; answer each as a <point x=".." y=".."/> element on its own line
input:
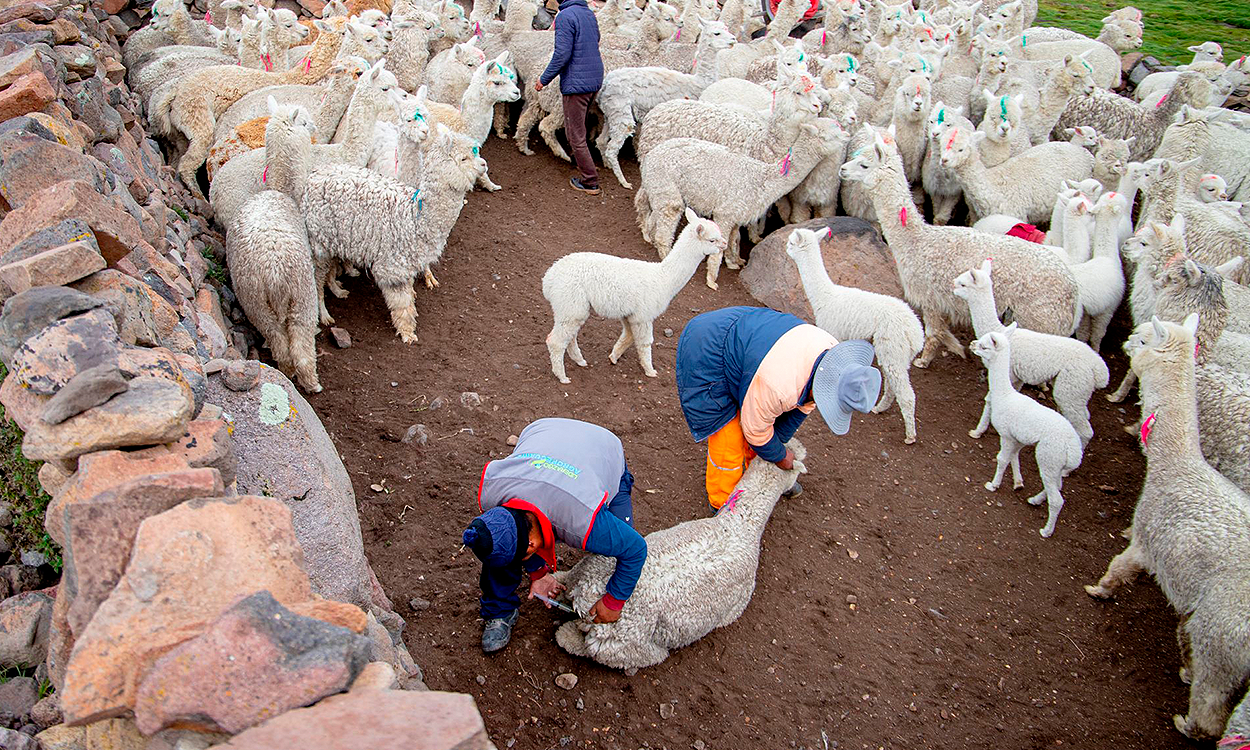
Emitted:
<point x="634" y="292"/>
<point x="1190" y="530"/>
<point x="1020" y="422"/>
<point x="699" y="576"/>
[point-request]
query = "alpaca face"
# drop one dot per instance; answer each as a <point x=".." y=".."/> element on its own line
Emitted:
<point x="1158" y="342"/>
<point x="912" y="97"/>
<point x="958" y="148"/>
<point x="992" y="346"/>
<point x="1112" y="157"/>
<point x="1212" y="188"/>
<point x="1077" y="75"/>
<point x="500" y="83"/>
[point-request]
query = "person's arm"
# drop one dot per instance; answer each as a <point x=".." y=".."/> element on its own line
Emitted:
<point x="612" y="537"/>
<point x="760" y="411"/>
<point x="562" y="52"/>
<point x="535" y="566"/>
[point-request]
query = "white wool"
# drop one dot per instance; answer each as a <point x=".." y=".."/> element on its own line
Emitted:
<point x="1101" y="278"/>
<point x="672" y="606"/>
<point x="449" y="72"/>
<point x="634" y="292"/>
<point x="940" y="182"/>
<point x="1115" y="116"/>
<point x="1073" y="369"/>
<point x="849" y="313"/>
<point x="1020" y="422"/>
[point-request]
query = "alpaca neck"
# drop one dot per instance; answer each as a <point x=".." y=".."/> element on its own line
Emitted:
<point x="361" y="116"/>
<point x="759" y="496"/>
<point x="984" y="316"/>
<point x="814" y="277"/>
<point x="440" y="202"/>
<point x="317" y="64"/>
<point x="1160" y="200"/>
<point x="1174" y="432"/>
<point x="1055" y="94"/>
<point x="408" y="159"/>
<point x="705" y="65"/>
<point x="249" y="50"/>
<point x="179" y="24"/>
<point x="974" y="176"/>
<point x="681" y="262"/>
<point x="1076" y="237"/>
<point x="999" y="373"/>
<point x="789" y="13"/>
<point x="286" y="163"/>
<point x="477" y="110"/>
<point x="1128" y="188"/>
<point x="1106" y="235"/>
<point x="334" y="103"/>
<point x="891" y="200"/>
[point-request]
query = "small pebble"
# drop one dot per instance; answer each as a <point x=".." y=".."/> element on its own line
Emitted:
<point x="394" y="384"/>
<point x="667" y="710"/>
<point x="852" y="599"/>
<point x="342" y="339"/>
<point x="512" y="439"/>
<point x="416" y="434"/>
<point x="580" y="705"/>
<point x="481" y="679"/>
<point x="437" y="403"/>
<point x="417" y="603"/>
<point x="668" y="333"/>
<point x="470" y="399"/>
<point x="699" y="745"/>
<point x="511" y="741"/>
<point x="567" y="681"/>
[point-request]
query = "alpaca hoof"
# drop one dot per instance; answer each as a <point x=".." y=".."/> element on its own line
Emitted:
<point x="713" y="285"/>
<point x="991" y="486"/>
<point x="492" y="187"/>
<point x="339" y="292"/>
<point x="1185" y="676"/>
<point x="1131" y="429"/>
<point x="1017" y="486"/>
<point x="326" y="320"/>
<point x="1114" y="398"/>
<point x="920" y="362"/>
<point x="1181" y="723"/>
<point x="909" y="440"/>
<point x="526" y="150"/>
<point x="631" y="671"/>
<point x="408" y="338"/>
<point x="566" y="381"/>
<point x="430" y="281"/>
<point x="613" y="359"/>
<point x="732" y="265"/>
<point x="651" y="373"/>
<point x="1046" y="531"/>
<point x="1098" y="592"/>
<point x="974" y="434"/>
<point x="625" y="184"/>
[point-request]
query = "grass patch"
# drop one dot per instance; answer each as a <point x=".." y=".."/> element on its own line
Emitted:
<point x="1171" y="25"/>
<point x="19" y="487"/>
<point x="216" y="271"/>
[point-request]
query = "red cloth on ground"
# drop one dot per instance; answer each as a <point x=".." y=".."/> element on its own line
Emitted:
<point x="1027" y="232"/>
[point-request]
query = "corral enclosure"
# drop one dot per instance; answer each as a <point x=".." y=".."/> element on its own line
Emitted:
<point x="898" y="603"/>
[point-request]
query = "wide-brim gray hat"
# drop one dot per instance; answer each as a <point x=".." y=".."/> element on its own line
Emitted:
<point x="846" y="381"/>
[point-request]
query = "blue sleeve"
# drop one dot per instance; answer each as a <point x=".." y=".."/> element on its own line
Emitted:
<point x="562" y="52"/>
<point x="534" y="563"/>
<point x="612" y="537"/>
<point x="783" y="429"/>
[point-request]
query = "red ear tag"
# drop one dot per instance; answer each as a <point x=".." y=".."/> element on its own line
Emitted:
<point x="1146" y="427"/>
<point x="902" y="215"/>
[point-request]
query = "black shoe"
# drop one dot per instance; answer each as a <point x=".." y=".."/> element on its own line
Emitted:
<point x="795" y="490"/>
<point x="577" y="184"/>
<point x="498" y="632"/>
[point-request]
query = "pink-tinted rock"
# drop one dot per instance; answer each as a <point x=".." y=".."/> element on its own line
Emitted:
<point x="854" y="256"/>
<point x="61" y="265"/>
<point x="336" y="613"/>
<point x="153" y="410"/>
<point x="29" y="93"/>
<point x="374" y="719"/>
<point x="20" y="405"/>
<point x="45" y="362"/>
<point x="29" y="164"/>
<point x="24" y="623"/>
<point x="18" y="64"/>
<point x="188" y="565"/>
<point x="99" y="530"/>
<point x="65" y="232"/>
<point x="256" y="661"/>
<point x="117" y="232"/>
<point x="128" y="300"/>
<point x="31" y="311"/>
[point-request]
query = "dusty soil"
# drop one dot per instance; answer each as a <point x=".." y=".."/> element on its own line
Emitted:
<point x="898" y="603"/>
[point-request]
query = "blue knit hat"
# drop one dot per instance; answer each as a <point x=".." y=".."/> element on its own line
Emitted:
<point x="493" y="536"/>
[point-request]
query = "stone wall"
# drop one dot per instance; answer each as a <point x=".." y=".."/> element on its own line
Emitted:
<point x="215" y="587"/>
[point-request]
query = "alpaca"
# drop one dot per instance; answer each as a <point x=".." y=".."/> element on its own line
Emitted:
<point x="1101" y="278"/>
<point x="492" y="82"/>
<point x="635" y="292"/>
<point x="267" y="250"/>
<point x="1190" y="529"/>
<point x="673" y="605"/>
<point x="1020" y="421"/>
<point x="849" y="313"/>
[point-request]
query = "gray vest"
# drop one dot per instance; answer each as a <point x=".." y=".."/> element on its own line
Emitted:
<point x="565" y="468"/>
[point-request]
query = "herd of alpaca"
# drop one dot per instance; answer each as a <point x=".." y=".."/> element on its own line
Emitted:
<point x="372" y="128"/>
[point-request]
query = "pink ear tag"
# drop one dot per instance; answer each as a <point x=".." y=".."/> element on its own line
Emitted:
<point x="265" y="59"/>
<point x="828" y="232"/>
<point x="823" y="34"/>
<point x="264" y="174"/>
<point x="677" y="36"/>
<point x="477" y="28"/>
<point x="1146" y="427"/>
<point x="307" y="63"/>
<point x="1162" y="99"/>
<point x="208" y="16"/>
<point x="902" y="215"/>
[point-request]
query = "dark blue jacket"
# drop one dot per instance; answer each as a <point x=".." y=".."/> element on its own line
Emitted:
<point x="717" y="356"/>
<point x="576" y="56"/>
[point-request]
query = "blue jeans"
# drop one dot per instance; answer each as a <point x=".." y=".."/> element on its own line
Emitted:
<point x="499" y="584"/>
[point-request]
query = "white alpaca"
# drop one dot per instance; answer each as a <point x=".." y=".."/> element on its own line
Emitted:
<point x="1073" y="369"/>
<point x="699" y="576"/>
<point x="1004" y="136"/>
<point x="1212" y="188"/>
<point x="634" y="292"/>
<point x="1191" y="530"/>
<point x="628" y="94"/>
<point x="1020" y="422"/>
<point x="1101" y="278"/>
<point x="449" y="72"/>
<point x="270" y="263"/>
<point x="493" y="82"/>
<point x="849" y="313"/>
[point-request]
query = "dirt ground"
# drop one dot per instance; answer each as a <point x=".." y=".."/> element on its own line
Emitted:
<point x="898" y="603"/>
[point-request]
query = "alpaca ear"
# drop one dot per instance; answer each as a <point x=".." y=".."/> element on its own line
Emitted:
<point x="977" y="137"/>
<point x="692" y="217"/>
<point x="1019" y="100"/>
<point x="1159" y="331"/>
<point x="1195" y="48"/>
<point x="1011" y="328"/>
<point x="1192" y="273"/>
<point x="989" y="98"/>
<point x="319" y="24"/>
<point x="273" y="106"/>
<point x="986" y="266"/>
<point x="1191" y="323"/>
<point x="422" y="94"/>
<point x="1129" y="141"/>
<point x="1230" y="267"/>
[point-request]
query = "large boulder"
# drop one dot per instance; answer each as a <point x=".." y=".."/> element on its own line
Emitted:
<point x="855" y="255"/>
<point x="116" y="231"/>
<point x="189" y="564"/>
<point x="24" y="622"/>
<point x="256" y="661"/>
<point x="59" y="265"/>
<point x="31" y="311"/>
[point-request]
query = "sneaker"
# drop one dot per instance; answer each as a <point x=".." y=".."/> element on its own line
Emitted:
<point x="577" y="184"/>
<point x="795" y="490"/>
<point x="498" y="632"/>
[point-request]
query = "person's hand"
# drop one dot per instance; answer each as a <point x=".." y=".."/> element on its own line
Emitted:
<point x="787" y="461"/>
<point x="603" y="614"/>
<point x="538" y="85"/>
<point x="548" y="586"/>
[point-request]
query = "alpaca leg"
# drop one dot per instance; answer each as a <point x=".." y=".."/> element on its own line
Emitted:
<point x="1123" y="568"/>
<point x="943" y="208"/>
<point x="1098" y="328"/>
<point x="501" y="120"/>
<point x="304" y="354"/>
<point x="1006" y="451"/>
<point x="799" y="212"/>
<point x="642" y="206"/>
<point x="562" y="334"/>
<point x="575" y="351"/>
<point x="665" y="219"/>
<point x="643" y="334"/>
<point x="1210" y="694"/>
<point x="936" y="333"/>
<point x="399" y="300"/>
<point x="1182" y="642"/>
<point x="428" y="276"/>
<point x="485" y="183"/>
<point x="887" y="395"/>
<point x="623" y="342"/>
<point x="266" y="322"/>
<point x="547" y="128"/>
<point x="1017" y="481"/>
<point x="571" y="639"/>
<point x="531" y="113"/>
<point x="1072" y="398"/>
<point x="733" y="256"/>
<point x="192" y="160"/>
<point x="984" y="422"/>
<point x="321" y="279"/>
<point x="620" y="127"/>
<point x="1126" y="385"/>
<point x="1052" y="483"/>
<point x="755" y="231"/>
<point x="332" y="281"/>
<point x="900" y="387"/>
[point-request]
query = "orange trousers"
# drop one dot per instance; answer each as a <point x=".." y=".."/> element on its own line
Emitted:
<point x="727" y="456"/>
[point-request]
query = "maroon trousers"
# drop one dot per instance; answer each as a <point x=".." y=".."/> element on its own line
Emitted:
<point x="575" y="106"/>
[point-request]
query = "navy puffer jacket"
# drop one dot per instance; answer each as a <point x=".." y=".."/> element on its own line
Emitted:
<point x="576" y="56"/>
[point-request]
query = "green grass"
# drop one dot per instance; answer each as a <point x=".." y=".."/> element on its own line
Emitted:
<point x="19" y="487"/>
<point x="216" y="271"/>
<point x="1171" y="25"/>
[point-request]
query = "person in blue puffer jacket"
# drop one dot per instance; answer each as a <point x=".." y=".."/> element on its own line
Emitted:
<point x="576" y="60"/>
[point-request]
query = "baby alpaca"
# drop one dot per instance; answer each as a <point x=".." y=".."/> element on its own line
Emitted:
<point x="699" y="576"/>
<point x="633" y="291"/>
<point x="1020" y="421"/>
<point x="849" y="313"/>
